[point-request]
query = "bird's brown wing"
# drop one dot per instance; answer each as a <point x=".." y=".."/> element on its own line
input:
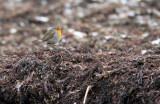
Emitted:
<point x="48" y="35"/>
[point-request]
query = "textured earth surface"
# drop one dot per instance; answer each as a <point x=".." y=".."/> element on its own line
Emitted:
<point x="109" y="53"/>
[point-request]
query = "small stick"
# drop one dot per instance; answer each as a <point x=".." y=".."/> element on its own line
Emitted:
<point x="85" y="97"/>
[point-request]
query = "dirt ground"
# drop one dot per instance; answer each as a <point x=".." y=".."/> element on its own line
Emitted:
<point x="109" y="53"/>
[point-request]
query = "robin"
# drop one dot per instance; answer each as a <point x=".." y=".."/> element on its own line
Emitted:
<point x="52" y="36"/>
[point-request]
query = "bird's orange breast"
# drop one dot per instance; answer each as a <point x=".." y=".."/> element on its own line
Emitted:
<point x="59" y="33"/>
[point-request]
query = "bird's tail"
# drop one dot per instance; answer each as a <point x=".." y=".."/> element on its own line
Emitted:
<point x="36" y="41"/>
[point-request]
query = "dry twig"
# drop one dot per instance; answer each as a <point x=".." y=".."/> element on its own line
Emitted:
<point x="85" y="97"/>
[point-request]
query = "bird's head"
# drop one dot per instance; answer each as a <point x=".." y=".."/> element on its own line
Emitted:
<point x="59" y="28"/>
<point x="59" y="31"/>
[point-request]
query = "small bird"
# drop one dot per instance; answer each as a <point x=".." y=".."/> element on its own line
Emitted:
<point x="52" y="36"/>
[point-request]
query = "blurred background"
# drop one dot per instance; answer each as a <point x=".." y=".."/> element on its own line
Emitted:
<point x="97" y="25"/>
